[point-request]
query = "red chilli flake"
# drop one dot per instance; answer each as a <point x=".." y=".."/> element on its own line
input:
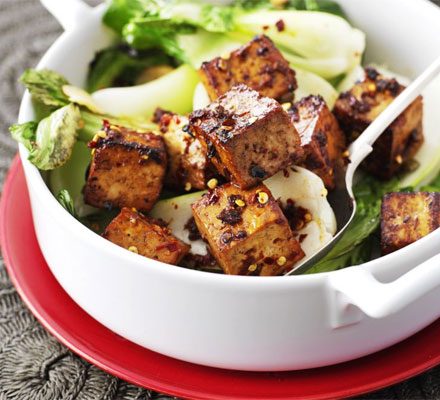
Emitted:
<point x="280" y="25"/>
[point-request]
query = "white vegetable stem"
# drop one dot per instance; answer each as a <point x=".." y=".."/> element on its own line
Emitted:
<point x="310" y="83"/>
<point x="318" y="42"/>
<point x="173" y="91"/>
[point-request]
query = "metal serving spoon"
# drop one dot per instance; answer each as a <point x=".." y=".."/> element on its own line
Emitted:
<point x="342" y="199"/>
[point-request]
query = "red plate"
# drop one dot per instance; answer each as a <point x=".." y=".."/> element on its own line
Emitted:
<point x="100" y="346"/>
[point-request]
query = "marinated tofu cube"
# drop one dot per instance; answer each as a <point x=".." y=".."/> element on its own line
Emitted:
<point x="127" y="169"/>
<point x="361" y="105"/>
<point x="188" y="165"/>
<point x="407" y="217"/>
<point x="258" y="64"/>
<point x="321" y="137"/>
<point x="248" y="137"/>
<point x="139" y="234"/>
<point x="246" y="230"/>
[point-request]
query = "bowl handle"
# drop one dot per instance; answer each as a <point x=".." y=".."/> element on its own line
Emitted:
<point x="355" y="292"/>
<point x="69" y="13"/>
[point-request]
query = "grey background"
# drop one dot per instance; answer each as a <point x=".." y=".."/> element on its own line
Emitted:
<point x="33" y="365"/>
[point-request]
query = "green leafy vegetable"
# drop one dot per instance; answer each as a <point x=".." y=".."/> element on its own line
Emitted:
<point x="434" y="186"/>
<point x="46" y="87"/>
<point x="177" y="12"/>
<point x="327" y="6"/>
<point x="120" y="12"/>
<point x="24" y="133"/>
<point x="307" y="39"/>
<point x="66" y="201"/>
<point x="121" y="66"/>
<point x="148" y="33"/>
<point x="50" y="143"/>
<point x="210" y="17"/>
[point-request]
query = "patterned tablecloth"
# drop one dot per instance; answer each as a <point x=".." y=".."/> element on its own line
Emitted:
<point x="33" y="365"/>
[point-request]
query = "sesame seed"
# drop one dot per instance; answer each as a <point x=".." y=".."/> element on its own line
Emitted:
<point x="281" y="261"/>
<point x="133" y="249"/>
<point x="133" y="209"/>
<point x="222" y="64"/>
<point x="188" y="187"/>
<point x="263" y="197"/>
<point x="212" y="183"/>
<point x="399" y="159"/>
<point x="371" y="87"/>
<point x="286" y="106"/>
<point x="346" y="154"/>
<point x="252" y="267"/>
<point x="240" y="203"/>
<point x="308" y="217"/>
<point x="145" y="157"/>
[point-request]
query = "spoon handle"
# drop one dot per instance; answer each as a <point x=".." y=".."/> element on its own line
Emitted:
<point x="362" y="146"/>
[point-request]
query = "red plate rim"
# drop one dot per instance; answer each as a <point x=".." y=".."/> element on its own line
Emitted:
<point x="92" y="341"/>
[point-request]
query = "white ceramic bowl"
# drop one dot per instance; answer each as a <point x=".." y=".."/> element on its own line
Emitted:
<point x="246" y="323"/>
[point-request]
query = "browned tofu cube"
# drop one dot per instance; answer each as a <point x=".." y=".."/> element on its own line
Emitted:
<point x="188" y="164"/>
<point x="321" y="137"/>
<point x="407" y="217"/>
<point x="139" y="234"/>
<point x="248" y="137"/>
<point x="258" y="64"/>
<point x="247" y="232"/>
<point x="360" y="106"/>
<point x="127" y="169"/>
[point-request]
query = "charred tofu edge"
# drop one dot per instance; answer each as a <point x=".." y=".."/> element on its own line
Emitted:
<point x="129" y="219"/>
<point x="231" y="231"/>
<point x="407" y="217"/>
<point x="248" y="137"/>
<point x="143" y="149"/>
<point x="258" y="64"/>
